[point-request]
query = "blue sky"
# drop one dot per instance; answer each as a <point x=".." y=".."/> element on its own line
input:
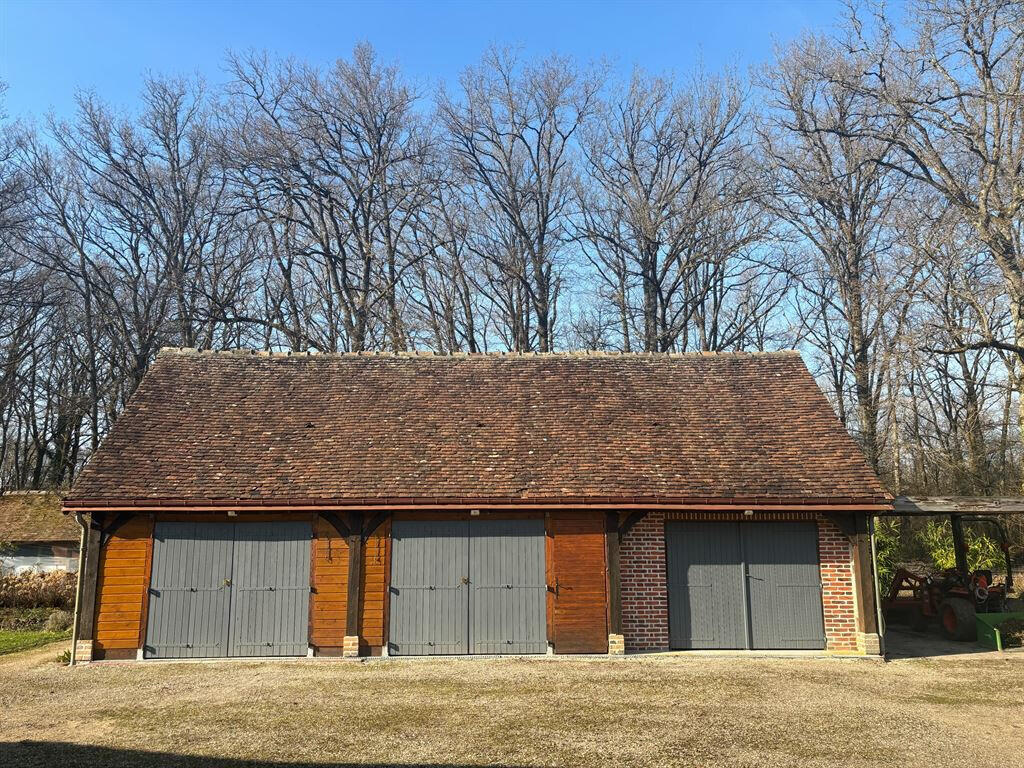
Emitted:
<point x="50" y="49"/>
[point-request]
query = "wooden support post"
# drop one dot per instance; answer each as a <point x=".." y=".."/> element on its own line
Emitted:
<point x="90" y="583"/>
<point x="959" y="546"/>
<point x="611" y="536"/>
<point x="355" y="584"/>
<point x="864" y="580"/>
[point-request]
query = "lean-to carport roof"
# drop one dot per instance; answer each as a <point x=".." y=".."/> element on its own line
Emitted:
<point x="269" y="429"/>
<point x="916" y="506"/>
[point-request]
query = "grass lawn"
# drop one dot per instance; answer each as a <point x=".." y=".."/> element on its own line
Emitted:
<point x="13" y="640"/>
<point x="651" y="711"/>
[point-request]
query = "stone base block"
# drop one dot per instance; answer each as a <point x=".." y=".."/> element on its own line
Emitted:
<point x="869" y="643"/>
<point x="83" y="651"/>
<point x="616" y="645"/>
<point x="350" y="646"/>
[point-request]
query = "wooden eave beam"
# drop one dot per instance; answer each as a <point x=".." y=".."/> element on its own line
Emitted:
<point x="90" y="578"/>
<point x="612" y="540"/>
<point x="863" y="574"/>
<point x="631" y="519"/>
<point x="373" y="524"/>
<point x="114" y="526"/>
<point x="955" y="505"/>
<point x="843" y="521"/>
<point x="879" y="508"/>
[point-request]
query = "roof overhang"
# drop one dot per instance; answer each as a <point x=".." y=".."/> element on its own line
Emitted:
<point x="705" y="504"/>
<point x="914" y="506"/>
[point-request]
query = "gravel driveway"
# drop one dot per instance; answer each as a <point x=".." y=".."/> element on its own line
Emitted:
<point x="961" y="711"/>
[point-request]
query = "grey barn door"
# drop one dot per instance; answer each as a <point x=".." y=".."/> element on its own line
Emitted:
<point x="429" y="589"/>
<point x="705" y="586"/>
<point x="190" y="592"/>
<point x="784" y="585"/>
<point x="467" y="586"/>
<point x="229" y="589"/>
<point x="744" y="585"/>
<point x="508" y="594"/>
<point x="270" y="590"/>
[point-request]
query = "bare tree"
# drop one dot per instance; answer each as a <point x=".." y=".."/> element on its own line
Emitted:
<point x="864" y="204"/>
<point x="157" y="178"/>
<point x="671" y="215"/>
<point x="834" y="189"/>
<point x="513" y="130"/>
<point x="333" y="167"/>
<point x="950" y="105"/>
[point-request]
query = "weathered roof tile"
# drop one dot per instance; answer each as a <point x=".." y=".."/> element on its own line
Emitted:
<point x="273" y="427"/>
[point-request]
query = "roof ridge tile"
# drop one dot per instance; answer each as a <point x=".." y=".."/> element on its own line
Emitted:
<point x="508" y="354"/>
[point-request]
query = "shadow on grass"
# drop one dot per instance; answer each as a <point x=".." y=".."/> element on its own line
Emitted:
<point x="56" y="754"/>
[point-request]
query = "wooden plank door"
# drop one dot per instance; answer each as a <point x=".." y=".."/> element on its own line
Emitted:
<point x="270" y="589"/>
<point x="429" y="587"/>
<point x="190" y="590"/>
<point x="784" y="585"/>
<point x="506" y="586"/>
<point x="705" y="585"/>
<point x="578" y="582"/>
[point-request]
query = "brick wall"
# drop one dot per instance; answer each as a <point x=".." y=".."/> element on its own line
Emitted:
<point x="645" y="593"/>
<point x="837" y="586"/>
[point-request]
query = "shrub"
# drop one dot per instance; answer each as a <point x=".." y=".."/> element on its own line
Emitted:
<point x="887" y="548"/>
<point x="24" y="618"/>
<point x="59" y="621"/>
<point x="982" y="551"/>
<point x="54" y="589"/>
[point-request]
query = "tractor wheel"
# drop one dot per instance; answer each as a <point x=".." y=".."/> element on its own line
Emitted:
<point x="956" y="619"/>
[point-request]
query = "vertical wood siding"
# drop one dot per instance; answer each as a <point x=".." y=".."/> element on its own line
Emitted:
<point x="190" y="593"/>
<point x="123" y="580"/>
<point x="784" y="585"/>
<point x="705" y="585"/>
<point x="507" y="590"/>
<point x="579" y="615"/>
<point x="430" y="595"/>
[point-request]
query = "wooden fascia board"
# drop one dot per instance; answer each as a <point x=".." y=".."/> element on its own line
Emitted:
<point x="524" y="505"/>
<point x="952" y="505"/>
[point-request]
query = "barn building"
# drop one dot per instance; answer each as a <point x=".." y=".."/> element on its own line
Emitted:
<point x="257" y="504"/>
<point x="34" y="535"/>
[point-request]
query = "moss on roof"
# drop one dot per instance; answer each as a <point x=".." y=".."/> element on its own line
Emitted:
<point x="35" y="516"/>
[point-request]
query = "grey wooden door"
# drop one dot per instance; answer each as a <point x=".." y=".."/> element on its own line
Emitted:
<point x="467" y="586"/>
<point x="784" y="585"/>
<point x="229" y="589"/>
<point x="270" y="590"/>
<point x="429" y="587"/>
<point x="705" y="585"/>
<point x="744" y="585"/>
<point x="190" y="593"/>
<point x="507" y="591"/>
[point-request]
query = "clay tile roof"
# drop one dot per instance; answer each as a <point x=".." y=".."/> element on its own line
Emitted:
<point x="266" y="427"/>
<point x="35" y="516"/>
